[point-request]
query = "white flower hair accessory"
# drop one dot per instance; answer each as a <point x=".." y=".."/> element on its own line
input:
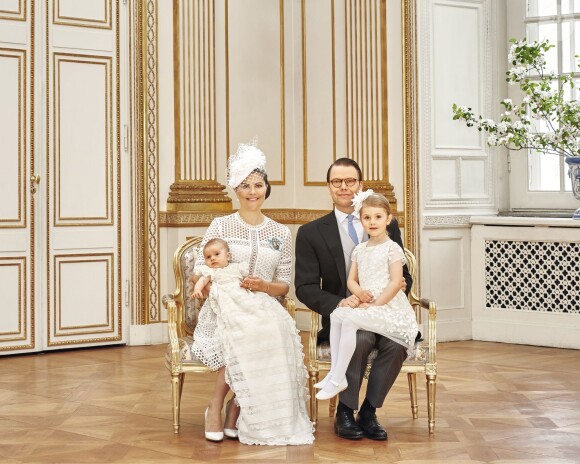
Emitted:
<point x="247" y="158"/>
<point x="358" y="199"/>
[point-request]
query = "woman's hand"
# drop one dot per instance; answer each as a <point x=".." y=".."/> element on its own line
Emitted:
<point x="366" y="296"/>
<point x="363" y="306"/>
<point x="255" y="284"/>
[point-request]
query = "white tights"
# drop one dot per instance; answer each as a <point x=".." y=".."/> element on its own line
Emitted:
<point x="342" y="347"/>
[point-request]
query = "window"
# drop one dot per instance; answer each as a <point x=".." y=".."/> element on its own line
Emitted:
<point x="541" y="180"/>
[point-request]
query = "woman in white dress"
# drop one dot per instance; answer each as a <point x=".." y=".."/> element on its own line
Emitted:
<point x="375" y="278"/>
<point x="258" y="352"/>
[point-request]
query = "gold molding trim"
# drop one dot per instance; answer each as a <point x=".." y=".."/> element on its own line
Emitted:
<point x="305" y="180"/>
<point x="109" y="260"/>
<point x="286" y="216"/>
<point x="151" y="165"/>
<point x="22" y="332"/>
<point x="57" y="19"/>
<point x="282" y="93"/>
<point x="19" y="15"/>
<point x="20" y="221"/>
<point x="106" y="61"/>
<point x="410" y="126"/>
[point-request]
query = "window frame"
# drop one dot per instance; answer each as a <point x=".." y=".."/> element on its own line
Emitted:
<point x="521" y="198"/>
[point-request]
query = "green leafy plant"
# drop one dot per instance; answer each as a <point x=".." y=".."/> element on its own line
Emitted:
<point x="543" y="103"/>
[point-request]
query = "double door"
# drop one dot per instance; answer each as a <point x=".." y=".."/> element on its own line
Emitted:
<point x="61" y="196"/>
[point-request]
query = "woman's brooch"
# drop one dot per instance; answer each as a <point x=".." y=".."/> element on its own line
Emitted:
<point x="275" y="243"/>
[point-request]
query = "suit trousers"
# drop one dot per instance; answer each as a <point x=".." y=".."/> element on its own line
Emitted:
<point x="384" y="370"/>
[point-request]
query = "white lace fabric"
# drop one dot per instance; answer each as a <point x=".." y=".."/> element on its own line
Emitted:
<point x="254" y="336"/>
<point x="396" y="319"/>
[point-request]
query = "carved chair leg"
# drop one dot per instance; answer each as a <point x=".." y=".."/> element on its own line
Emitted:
<point x="312" y="380"/>
<point x="176" y="387"/>
<point x="431" y="390"/>
<point x="412" y="378"/>
<point x="332" y="406"/>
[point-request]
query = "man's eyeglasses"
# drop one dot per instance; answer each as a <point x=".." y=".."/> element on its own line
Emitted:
<point x="337" y="183"/>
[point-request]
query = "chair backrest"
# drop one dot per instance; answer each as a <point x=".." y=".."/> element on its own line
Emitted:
<point x="187" y="307"/>
<point x="413" y="298"/>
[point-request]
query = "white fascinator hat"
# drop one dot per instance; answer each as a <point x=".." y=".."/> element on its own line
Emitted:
<point x="247" y="158"/>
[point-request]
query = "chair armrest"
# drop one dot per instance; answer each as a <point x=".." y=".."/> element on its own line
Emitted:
<point x="313" y="339"/>
<point x="171" y="307"/>
<point x="290" y="306"/>
<point x="431" y="307"/>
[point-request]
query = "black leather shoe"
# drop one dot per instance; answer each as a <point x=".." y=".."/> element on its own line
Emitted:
<point x="346" y="427"/>
<point x="370" y="425"/>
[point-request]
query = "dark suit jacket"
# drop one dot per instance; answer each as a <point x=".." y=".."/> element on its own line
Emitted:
<point x="320" y="274"/>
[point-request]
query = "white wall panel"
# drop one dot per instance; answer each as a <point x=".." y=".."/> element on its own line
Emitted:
<point x="444" y="182"/>
<point x="13" y="323"/>
<point x="13" y="9"/>
<point x="83" y="142"/>
<point x="319" y="99"/>
<point x="12" y="136"/>
<point x="79" y="282"/>
<point x="88" y="13"/>
<point x="446" y="279"/>
<point x="457" y="71"/>
<point x="473" y="178"/>
<point x="256" y="80"/>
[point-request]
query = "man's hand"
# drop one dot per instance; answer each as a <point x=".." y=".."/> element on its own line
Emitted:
<point x="351" y="302"/>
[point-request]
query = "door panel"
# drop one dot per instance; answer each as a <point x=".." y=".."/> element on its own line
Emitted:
<point x="16" y="218"/>
<point x="83" y="168"/>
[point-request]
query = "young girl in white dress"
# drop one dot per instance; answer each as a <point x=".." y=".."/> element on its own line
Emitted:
<point x="375" y="278"/>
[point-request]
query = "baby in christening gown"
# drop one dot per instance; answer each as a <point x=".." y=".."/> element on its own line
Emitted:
<point x="256" y="335"/>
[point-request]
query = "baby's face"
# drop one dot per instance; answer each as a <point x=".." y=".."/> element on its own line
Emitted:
<point x="215" y="256"/>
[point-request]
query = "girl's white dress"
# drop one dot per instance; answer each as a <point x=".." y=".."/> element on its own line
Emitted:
<point x="253" y="336"/>
<point x="396" y="319"/>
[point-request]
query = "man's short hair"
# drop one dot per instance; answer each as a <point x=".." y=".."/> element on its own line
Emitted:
<point x="344" y="162"/>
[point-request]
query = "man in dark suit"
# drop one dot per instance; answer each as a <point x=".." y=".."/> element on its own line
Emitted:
<point x="323" y="249"/>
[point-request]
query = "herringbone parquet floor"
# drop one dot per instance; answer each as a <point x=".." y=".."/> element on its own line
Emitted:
<point x="495" y="403"/>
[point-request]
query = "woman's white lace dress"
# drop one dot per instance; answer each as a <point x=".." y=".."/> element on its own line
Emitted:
<point x="253" y="336"/>
<point x="396" y="319"/>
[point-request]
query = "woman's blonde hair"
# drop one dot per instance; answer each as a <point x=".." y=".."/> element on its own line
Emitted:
<point x="376" y="200"/>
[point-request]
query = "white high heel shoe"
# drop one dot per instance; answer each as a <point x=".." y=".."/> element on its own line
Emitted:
<point x="213" y="436"/>
<point x="335" y="389"/>
<point x="230" y="433"/>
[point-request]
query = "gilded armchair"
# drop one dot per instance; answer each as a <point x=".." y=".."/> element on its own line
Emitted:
<point x="182" y="314"/>
<point x="423" y="363"/>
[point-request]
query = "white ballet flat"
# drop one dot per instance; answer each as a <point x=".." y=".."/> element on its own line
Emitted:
<point x="322" y="383"/>
<point x="335" y="390"/>
<point x="213" y="436"/>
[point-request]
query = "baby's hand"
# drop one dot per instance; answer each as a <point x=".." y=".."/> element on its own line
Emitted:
<point x="366" y="296"/>
<point x="197" y="293"/>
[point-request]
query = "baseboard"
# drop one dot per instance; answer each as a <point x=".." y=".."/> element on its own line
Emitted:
<point x="150" y="334"/>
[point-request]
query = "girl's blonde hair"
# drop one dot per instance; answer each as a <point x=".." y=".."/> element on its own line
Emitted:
<point x="376" y="200"/>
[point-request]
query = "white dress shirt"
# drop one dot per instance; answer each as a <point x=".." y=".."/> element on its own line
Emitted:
<point x="342" y="219"/>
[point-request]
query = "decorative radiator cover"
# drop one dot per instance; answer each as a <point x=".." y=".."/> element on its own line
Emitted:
<point x="532" y="276"/>
<point x="525" y="281"/>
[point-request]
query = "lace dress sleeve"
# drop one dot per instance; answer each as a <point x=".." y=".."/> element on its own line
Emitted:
<point x="213" y="231"/>
<point x="244" y="268"/>
<point x="355" y="252"/>
<point x="204" y="271"/>
<point x="284" y="269"/>
<point x="396" y="253"/>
